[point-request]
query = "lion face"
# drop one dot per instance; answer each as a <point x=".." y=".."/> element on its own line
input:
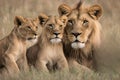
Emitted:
<point x="53" y="26"/>
<point x="79" y="30"/>
<point x="27" y="28"/>
<point x="81" y="25"/>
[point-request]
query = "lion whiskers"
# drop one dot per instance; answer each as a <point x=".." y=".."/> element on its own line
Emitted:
<point x="55" y="40"/>
<point x="31" y="42"/>
<point x="77" y="45"/>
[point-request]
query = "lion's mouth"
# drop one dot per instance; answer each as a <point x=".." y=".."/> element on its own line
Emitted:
<point x="77" y="44"/>
<point x="55" y="40"/>
<point x="76" y="40"/>
<point x="56" y="37"/>
<point x="31" y="38"/>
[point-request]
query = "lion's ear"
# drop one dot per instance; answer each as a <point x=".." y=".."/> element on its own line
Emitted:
<point x="42" y="18"/>
<point x="64" y="9"/>
<point x="95" y="11"/>
<point x="64" y="19"/>
<point x="19" y="20"/>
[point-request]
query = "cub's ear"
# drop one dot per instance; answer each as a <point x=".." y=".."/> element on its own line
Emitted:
<point x="95" y="11"/>
<point x="64" y="9"/>
<point x="19" y="20"/>
<point x="64" y="19"/>
<point x="42" y="18"/>
<point x="36" y="20"/>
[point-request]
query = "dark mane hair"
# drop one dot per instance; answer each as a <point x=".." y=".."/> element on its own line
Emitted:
<point x="79" y="4"/>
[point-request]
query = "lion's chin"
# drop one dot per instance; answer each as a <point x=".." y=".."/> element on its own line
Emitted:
<point x="77" y="45"/>
<point x="55" y="40"/>
<point x="32" y="38"/>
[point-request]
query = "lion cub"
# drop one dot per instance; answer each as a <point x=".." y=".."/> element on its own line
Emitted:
<point x="47" y="55"/>
<point x="13" y="47"/>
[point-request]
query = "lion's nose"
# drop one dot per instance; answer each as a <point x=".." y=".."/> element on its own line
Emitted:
<point x="76" y="34"/>
<point x="35" y="34"/>
<point x="56" y="33"/>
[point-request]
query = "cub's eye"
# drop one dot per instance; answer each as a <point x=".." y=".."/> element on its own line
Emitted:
<point x="50" y="26"/>
<point x="60" y="26"/>
<point x="36" y="27"/>
<point x="29" y="27"/>
<point x="70" y="22"/>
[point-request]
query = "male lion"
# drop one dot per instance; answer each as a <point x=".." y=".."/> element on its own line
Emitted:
<point x="13" y="47"/>
<point x="47" y="55"/>
<point x="82" y="34"/>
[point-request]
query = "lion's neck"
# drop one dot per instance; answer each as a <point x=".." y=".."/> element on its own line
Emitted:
<point x="82" y="56"/>
<point x="18" y="36"/>
<point x="14" y="35"/>
<point x="75" y="53"/>
<point x="49" y="49"/>
<point x="43" y="41"/>
<point x="12" y="39"/>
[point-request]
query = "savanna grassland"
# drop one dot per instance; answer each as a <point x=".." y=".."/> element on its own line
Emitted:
<point x="108" y="55"/>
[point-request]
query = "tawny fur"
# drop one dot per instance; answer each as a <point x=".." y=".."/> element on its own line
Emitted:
<point x="13" y="47"/>
<point x="46" y="55"/>
<point x="82" y="22"/>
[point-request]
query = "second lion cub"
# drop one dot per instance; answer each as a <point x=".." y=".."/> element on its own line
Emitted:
<point x="47" y="55"/>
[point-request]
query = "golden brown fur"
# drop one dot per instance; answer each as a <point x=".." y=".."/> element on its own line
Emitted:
<point x="13" y="47"/>
<point x="82" y="34"/>
<point x="47" y="55"/>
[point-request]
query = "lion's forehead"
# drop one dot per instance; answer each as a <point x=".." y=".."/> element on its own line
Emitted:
<point x="30" y="22"/>
<point x="55" y="20"/>
<point x="73" y="15"/>
<point x="78" y="15"/>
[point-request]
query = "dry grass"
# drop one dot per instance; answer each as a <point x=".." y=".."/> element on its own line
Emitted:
<point x="73" y="75"/>
<point x="108" y="55"/>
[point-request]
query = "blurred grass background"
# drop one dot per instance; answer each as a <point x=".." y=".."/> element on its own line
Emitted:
<point x="108" y="55"/>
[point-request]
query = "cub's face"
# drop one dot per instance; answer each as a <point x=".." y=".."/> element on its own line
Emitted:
<point x="54" y="28"/>
<point x="27" y="28"/>
<point x="80" y="25"/>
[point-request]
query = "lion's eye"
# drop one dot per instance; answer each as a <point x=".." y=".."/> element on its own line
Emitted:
<point x="50" y="26"/>
<point x="70" y="22"/>
<point x="60" y="26"/>
<point x="36" y="27"/>
<point x="29" y="27"/>
<point x="85" y="22"/>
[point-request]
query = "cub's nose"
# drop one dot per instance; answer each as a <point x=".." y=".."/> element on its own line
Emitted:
<point x="56" y="33"/>
<point x="35" y="34"/>
<point x="76" y="34"/>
